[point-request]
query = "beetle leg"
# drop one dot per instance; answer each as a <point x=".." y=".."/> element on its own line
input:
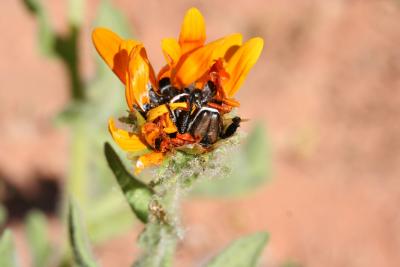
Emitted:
<point x="183" y="121"/>
<point x="221" y="108"/>
<point x="208" y="92"/>
<point x="231" y="128"/>
<point x="184" y="117"/>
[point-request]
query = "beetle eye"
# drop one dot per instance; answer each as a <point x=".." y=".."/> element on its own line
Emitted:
<point x="146" y="107"/>
<point x="164" y="84"/>
<point x="197" y="93"/>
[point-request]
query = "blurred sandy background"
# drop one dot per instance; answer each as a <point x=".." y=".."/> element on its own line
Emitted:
<point x="327" y="87"/>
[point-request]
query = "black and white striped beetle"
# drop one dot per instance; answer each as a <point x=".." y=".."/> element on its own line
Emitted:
<point x="201" y="121"/>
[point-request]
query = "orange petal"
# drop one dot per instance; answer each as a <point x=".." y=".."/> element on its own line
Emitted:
<point x="139" y="77"/>
<point x="193" y="31"/>
<point x="197" y="63"/>
<point x="231" y="102"/>
<point x="107" y="44"/>
<point x="153" y="158"/>
<point x="240" y="63"/>
<point x="171" y="50"/>
<point x="114" y="50"/>
<point x="121" y="59"/>
<point x="164" y="72"/>
<point x="127" y="141"/>
<point x="150" y="132"/>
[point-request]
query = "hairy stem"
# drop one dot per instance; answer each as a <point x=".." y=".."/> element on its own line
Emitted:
<point x="77" y="178"/>
<point x="161" y="234"/>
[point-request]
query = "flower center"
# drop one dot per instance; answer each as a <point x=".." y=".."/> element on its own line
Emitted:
<point x="198" y="120"/>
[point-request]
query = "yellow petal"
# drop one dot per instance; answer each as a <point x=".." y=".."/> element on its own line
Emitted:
<point x="156" y="112"/>
<point x="171" y="50"/>
<point x="153" y="158"/>
<point x="139" y="77"/>
<point x="197" y="63"/>
<point x="193" y="31"/>
<point x="127" y="141"/>
<point x="176" y="105"/>
<point x="114" y="50"/>
<point x="224" y="45"/>
<point x="169" y="125"/>
<point x="240" y="63"/>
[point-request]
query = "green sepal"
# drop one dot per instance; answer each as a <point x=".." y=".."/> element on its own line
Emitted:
<point x="244" y="252"/>
<point x="137" y="193"/>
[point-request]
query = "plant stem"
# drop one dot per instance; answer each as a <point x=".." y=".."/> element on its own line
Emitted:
<point x="159" y="238"/>
<point x="77" y="178"/>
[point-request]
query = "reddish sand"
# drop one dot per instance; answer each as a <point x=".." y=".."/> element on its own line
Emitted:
<point x="328" y="88"/>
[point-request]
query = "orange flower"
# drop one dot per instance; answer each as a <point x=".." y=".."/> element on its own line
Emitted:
<point x="191" y="65"/>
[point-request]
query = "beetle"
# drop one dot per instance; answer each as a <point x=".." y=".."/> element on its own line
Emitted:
<point x="207" y="125"/>
<point x="201" y="119"/>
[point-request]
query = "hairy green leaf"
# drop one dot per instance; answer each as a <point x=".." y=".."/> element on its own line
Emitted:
<point x="137" y="193"/>
<point x="36" y="231"/>
<point x="112" y="209"/>
<point x="244" y="252"/>
<point x="7" y="251"/>
<point x="78" y="240"/>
